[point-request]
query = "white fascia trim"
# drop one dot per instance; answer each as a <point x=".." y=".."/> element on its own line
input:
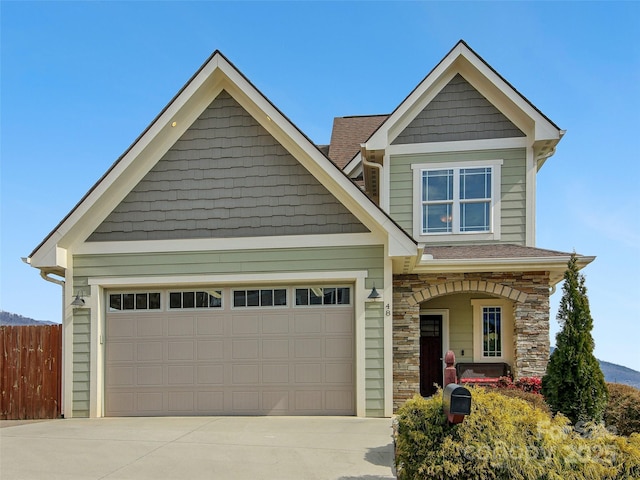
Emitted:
<point x="53" y="256"/>
<point x="458" y="146"/>
<point x="428" y="264"/>
<point x="226" y="244"/>
<point x="411" y="111"/>
<point x="129" y="170"/>
<point x="311" y="158"/>
<point x="543" y="128"/>
<point x="381" y="138"/>
<point x="530" y="199"/>
<point x="233" y="279"/>
<point x="351" y="167"/>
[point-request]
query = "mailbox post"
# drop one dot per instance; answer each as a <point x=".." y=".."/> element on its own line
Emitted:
<point x="456" y="402"/>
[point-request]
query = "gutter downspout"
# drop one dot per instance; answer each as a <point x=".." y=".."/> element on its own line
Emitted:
<point x="375" y="165"/>
<point x="62" y="283"/>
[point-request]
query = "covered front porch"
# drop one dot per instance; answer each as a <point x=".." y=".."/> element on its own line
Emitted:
<point x="481" y="317"/>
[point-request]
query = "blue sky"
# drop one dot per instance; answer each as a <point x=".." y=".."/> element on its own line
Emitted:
<point x="81" y="80"/>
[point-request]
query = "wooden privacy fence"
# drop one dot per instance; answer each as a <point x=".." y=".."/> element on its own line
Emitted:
<point x="30" y="372"/>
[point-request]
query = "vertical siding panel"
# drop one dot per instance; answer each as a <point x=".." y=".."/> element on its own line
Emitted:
<point x="28" y="390"/>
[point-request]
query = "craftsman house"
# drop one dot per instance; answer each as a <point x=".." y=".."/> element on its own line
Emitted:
<point x="225" y="264"/>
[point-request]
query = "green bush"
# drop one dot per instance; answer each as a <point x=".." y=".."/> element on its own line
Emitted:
<point x="623" y="409"/>
<point x="507" y="438"/>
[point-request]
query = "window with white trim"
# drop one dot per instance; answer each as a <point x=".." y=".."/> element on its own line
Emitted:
<point x="458" y="199"/>
<point x="492" y="330"/>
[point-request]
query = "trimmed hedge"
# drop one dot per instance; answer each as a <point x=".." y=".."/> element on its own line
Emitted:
<point x="623" y="410"/>
<point x="507" y="438"/>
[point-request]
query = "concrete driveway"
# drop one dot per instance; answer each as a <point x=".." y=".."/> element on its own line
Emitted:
<point x="301" y="448"/>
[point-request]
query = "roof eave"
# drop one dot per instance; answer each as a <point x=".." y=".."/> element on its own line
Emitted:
<point x="555" y="265"/>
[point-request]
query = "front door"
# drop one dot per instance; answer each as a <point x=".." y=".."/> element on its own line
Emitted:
<point x="430" y="353"/>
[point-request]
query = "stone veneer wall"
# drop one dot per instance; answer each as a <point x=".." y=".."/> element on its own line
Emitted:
<point x="528" y="290"/>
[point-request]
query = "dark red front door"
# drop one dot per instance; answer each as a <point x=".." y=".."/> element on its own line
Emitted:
<point x="430" y="353"/>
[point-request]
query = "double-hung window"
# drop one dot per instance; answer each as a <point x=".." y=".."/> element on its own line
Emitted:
<point x="458" y="198"/>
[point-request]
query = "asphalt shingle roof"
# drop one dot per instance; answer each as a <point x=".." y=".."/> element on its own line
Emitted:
<point x="347" y="135"/>
<point x="462" y="252"/>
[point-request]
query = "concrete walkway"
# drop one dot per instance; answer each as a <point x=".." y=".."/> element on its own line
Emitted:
<point x="238" y="448"/>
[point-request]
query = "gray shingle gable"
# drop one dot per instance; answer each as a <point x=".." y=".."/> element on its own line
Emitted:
<point x="458" y="112"/>
<point x="226" y="177"/>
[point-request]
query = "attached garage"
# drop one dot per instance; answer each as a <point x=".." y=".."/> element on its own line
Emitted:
<point x="230" y="351"/>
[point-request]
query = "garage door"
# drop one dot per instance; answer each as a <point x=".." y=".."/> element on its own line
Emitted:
<point x="259" y="351"/>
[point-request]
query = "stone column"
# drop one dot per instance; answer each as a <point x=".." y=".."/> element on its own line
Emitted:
<point x="531" y="333"/>
<point x="406" y="343"/>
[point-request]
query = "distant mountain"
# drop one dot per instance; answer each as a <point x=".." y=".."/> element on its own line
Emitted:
<point x="7" y="318"/>
<point x="618" y="374"/>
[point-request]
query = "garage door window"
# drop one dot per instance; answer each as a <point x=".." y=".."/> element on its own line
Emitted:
<point x="276" y="297"/>
<point x="134" y="301"/>
<point x="323" y="296"/>
<point x="197" y="299"/>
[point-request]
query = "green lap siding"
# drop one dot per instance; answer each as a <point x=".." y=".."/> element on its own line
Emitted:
<point x="81" y="363"/>
<point x="513" y="188"/>
<point x="320" y="259"/>
<point x="374" y="359"/>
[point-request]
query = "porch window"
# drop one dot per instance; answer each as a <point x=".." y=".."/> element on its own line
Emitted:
<point x="493" y="324"/>
<point x="492" y="332"/>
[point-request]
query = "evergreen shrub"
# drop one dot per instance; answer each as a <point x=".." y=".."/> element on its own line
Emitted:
<point x="574" y="384"/>
<point x="623" y="410"/>
<point x="507" y="438"/>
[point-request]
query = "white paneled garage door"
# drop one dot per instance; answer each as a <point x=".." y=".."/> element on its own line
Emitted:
<point x="261" y="351"/>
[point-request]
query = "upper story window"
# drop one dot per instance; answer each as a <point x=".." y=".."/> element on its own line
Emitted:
<point x="458" y="199"/>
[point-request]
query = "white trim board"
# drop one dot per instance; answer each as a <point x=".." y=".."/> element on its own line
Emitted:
<point x="222" y="244"/>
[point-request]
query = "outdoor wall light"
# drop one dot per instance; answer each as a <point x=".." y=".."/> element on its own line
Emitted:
<point x="78" y="302"/>
<point x="374" y="295"/>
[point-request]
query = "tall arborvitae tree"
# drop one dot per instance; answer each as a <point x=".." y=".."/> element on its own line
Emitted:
<point x="574" y="384"/>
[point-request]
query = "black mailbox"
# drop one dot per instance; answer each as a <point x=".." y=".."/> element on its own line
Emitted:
<point x="456" y="402"/>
